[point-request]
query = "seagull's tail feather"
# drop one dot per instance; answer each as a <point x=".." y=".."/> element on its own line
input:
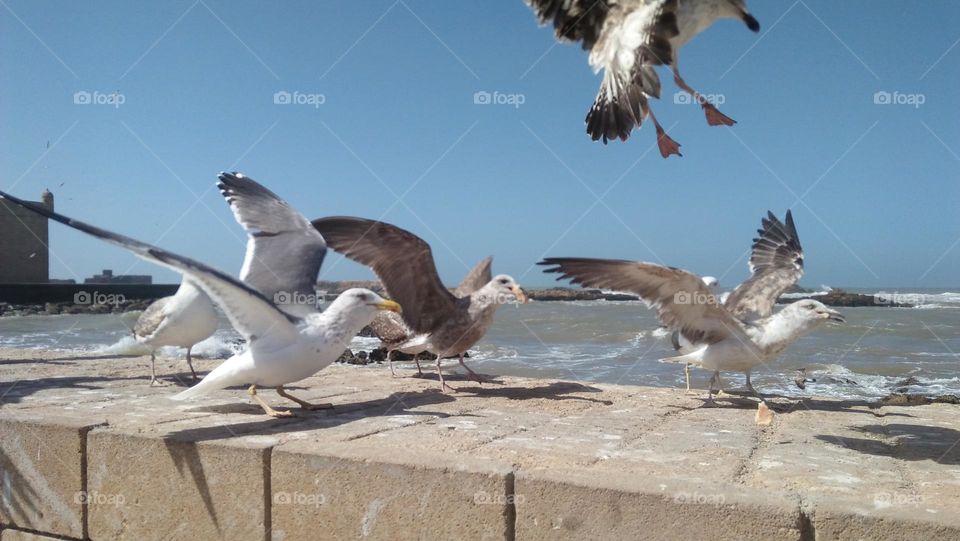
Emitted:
<point x="225" y="375"/>
<point x="695" y="357"/>
<point x="619" y="107"/>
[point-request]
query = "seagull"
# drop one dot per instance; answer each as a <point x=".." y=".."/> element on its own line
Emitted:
<point x="182" y="320"/>
<point x="626" y="39"/>
<point x="405" y="266"/>
<point x="740" y="334"/>
<point x="281" y="348"/>
<point x="394" y="334"/>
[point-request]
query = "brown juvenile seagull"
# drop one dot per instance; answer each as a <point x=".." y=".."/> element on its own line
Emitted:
<point x="626" y="39"/>
<point x="394" y="334"/>
<point x="404" y="263"/>
<point x="739" y="334"/>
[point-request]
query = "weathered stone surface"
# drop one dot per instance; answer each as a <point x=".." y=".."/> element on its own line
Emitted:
<point x="18" y="535"/>
<point x="41" y="473"/>
<point x="574" y="504"/>
<point x="381" y="492"/>
<point x="140" y="487"/>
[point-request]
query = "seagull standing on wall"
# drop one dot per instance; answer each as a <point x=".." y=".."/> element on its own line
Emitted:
<point x="626" y="39"/>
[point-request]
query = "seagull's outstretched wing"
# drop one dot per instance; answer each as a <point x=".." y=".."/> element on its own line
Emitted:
<point x="776" y="264"/>
<point x="402" y="261"/>
<point x="250" y="313"/>
<point x="284" y="252"/>
<point x="682" y="301"/>
<point x="574" y="20"/>
<point x="478" y="277"/>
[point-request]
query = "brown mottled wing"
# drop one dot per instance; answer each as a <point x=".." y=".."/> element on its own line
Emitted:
<point x="478" y="277"/>
<point x="151" y="319"/>
<point x="389" y="327"/>
<point x="682" y="301"/>
<point x="776" y="264"/>
<point x="402" y="261"/>
<point x="574" y="20"/>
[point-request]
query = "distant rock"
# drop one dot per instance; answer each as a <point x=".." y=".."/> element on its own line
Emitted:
<point x="839" y="297"/>
<point x="904" y="399"/>
<point x="576" y="294"/>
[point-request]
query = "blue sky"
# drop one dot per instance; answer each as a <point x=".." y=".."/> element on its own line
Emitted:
<point x="874" y="187"/>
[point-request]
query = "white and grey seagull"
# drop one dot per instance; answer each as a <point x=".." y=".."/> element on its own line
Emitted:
<point x="281" y="348"/>
<point x="627" y="39"/>
<point x="404" y="263"/>
<point x="738" y="335"/>
<point x="182" y="320"/>
<point x="395" y="335"/>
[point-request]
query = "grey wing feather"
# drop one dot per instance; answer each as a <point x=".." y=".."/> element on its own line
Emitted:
<point x="574" y="20"/>
<point x="250" y="313"/>
<point x="402" y="261"/>
<point x="776" y="264"/>
<point x="682" y="301"/>
<point x="389" y="327"/>
<point x="151" y="318"/>
<point x="284" y="251"/>
<point x="478" y="277"/>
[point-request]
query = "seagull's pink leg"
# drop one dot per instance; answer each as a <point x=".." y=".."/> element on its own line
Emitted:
<point x="667" y="145"/>
<point x="714" y="116"/>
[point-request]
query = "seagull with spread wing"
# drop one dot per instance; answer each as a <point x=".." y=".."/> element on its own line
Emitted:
<point x="627" y="39"/>
<point x="404" y="263"/>
<point x="395" y="335"/>
<point x="281" y="348"/>
<point x="737" y="335"/>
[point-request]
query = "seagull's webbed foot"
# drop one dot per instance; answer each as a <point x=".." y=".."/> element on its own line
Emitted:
<point x="303" y="403"/>
<point x="666" y="144"/>
<point x="715" y="117"/>
<point x="252" y="391"/>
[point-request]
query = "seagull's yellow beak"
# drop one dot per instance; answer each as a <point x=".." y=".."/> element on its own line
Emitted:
<point x="389" y="305"/>
<point x="521" y="296"/>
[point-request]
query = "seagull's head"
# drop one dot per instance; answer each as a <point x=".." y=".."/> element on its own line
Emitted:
<point x="737" y="9"/>
<point x="710" y="281"/>
<point x="506" y="289"/>
<point x="364" y="303"/>
<point x="815" y="312"/>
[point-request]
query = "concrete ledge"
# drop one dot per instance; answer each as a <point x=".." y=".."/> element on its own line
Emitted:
<point x="511" y="459"/>
<point x="42" y="473"/>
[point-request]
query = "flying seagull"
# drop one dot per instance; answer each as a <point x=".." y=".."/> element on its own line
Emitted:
<point x="740" y="334"/>
<point x="395" y="335"/>
<point x="626" y="39"/>
<point x="182" y="320"/>
<point x="281" y="348"/>
<point x="405" y="266"/>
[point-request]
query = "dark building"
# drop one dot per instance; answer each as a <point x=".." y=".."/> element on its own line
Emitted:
<point x="107" y="277"/>
<point x="24" y="257"/>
